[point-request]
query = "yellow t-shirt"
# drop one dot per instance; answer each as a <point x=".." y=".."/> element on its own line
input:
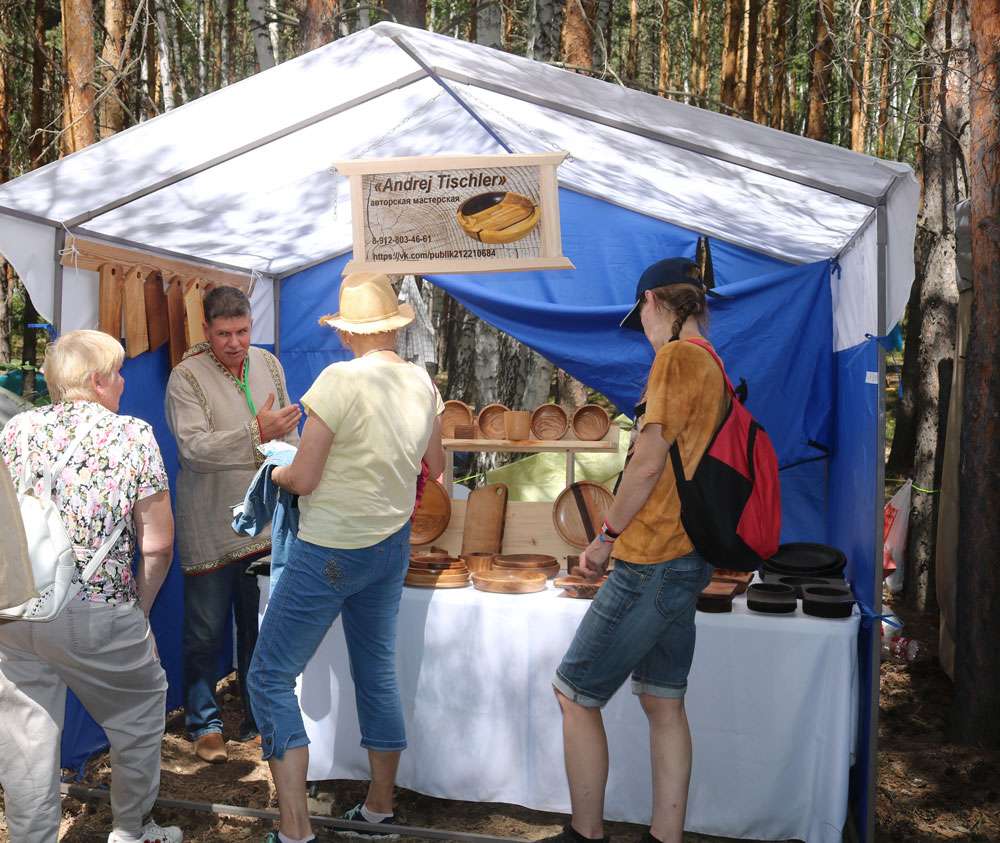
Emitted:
<point x="685" y="395"/>
<point x="381" y="413"/>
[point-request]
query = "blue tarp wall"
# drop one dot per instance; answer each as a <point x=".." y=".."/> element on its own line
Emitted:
<point x="772" y="325"/>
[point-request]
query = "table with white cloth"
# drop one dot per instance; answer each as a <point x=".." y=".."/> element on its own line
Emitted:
<point x="772" y="702"/>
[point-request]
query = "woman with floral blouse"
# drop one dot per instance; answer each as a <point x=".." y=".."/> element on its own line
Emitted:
<point x="100" y="645"/>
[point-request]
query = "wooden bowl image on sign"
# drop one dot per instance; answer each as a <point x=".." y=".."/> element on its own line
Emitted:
<point x="498" y="217"/>
<point x="579" y="511"/>
<point x="432" y="516"/>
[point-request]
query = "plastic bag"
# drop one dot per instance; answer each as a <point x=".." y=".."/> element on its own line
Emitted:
<point x="897" y="523"/>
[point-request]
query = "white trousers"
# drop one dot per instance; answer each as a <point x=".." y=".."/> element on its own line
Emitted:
<point x="105" y="654"/>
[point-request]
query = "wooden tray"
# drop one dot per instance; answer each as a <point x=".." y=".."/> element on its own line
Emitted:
<point x="491" y="421"/>
<point x="549" y="422"/>
<point x="741" y="579"/>
<point x="485" y="511"/>
<point x="455" y="413"/>
<point x="432" y="516"/>
<point x="579" y="511"/>
<point x="590" y="422"/>
<point x="509" y="582"/>
<point x="579" y="587"/>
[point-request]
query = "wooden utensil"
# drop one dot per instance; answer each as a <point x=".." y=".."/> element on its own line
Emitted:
<point x="175" y="320"/>
<point x="455" y="413"/>
<point x="157" y="325"/>
<point x="109" y="302"/>
<point x="136" y="338"/>
<point x="509" y="582"/>
<point x="485" y="512"/>
<point x="590" y="422"/>
<point x="578" y="513"/>
<point x="432" y="516"/>
<point x="549" y="422"/>
<point x="491" y="421"/>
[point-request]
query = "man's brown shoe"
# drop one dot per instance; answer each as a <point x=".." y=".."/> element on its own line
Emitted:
<point x="211" y="747"/>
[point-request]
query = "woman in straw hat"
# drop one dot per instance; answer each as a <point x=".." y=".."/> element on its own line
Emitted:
<point x="370" y="422"/>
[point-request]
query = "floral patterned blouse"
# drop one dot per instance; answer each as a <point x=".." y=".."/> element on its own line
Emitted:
<point x="117" y="464"/>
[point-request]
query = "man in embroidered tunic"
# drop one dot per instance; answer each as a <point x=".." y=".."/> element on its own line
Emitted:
<point x="223" y="400"/>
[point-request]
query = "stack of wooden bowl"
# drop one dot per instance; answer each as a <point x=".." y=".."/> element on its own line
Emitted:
<point x="509" y="581"/>
<point x="436" y="570"/>
<point x="541" y="562"/>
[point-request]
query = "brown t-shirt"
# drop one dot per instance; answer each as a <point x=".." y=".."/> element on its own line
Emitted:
<point x="685" y="395"/>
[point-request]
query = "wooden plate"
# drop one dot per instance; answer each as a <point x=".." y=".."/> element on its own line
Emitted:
<point x="549" y="422"/>
<point x="509" y="582"/>
<point x="590" y="422"/>
<point x="455" y="413"/>
<point x="579" y="587"/>
<point x="491" y="421"/>
<point x="432" y="516"/>
<point x="579" y="511"/>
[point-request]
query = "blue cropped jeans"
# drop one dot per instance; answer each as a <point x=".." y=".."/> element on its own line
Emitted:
<point x="316" y="586"/>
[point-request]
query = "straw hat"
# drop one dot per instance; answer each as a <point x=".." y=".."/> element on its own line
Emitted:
<point x="368" y="306"/>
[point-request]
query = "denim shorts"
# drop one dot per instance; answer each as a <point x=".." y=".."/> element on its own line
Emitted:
<point x="641" y="623"/>
<point x="317" y="585"/>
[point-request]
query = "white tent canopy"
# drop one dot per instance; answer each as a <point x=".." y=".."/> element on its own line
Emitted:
<point x="241" y="178"/>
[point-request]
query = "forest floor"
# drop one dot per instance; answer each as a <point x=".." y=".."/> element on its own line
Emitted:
<point x="929" y="789"/>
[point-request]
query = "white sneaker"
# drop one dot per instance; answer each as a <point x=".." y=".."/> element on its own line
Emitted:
<point x="152" y="832"/>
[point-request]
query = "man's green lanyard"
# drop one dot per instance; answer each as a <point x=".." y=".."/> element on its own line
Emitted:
<point x="245" y="387"/>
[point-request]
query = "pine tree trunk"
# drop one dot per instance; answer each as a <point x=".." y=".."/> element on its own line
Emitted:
<point x="943" y="187"/>
<point x="704" y="9"/>
<point x="316" y="24"/>
<point x="694" y="72"/>
<point x="79" y="122"/>
<point x="856" y="88"/>
<point x="977" y="661"/>
<point x="750" y="69"/>
<point x="663" y="82"/>
<point x="578" y="33"/>
<point x="732" y="28"/>
<point x="36" y="144"/>
<point x="261" y="34"/>
<point x="178" y="60"/>
<point x="632" y="53"/>
<point x="883" y="99"/>
<point x="112" y="59"/>
<point x="822" y="68"/>
<point x="489" y="23"/>
<point x="779" y="71"/>
<point x="545" y="25"/>
<point x="762" y="86"/>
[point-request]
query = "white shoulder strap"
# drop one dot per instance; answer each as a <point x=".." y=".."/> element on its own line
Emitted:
<point x="53" y="471"/>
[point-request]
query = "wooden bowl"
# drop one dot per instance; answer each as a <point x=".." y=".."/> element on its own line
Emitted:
<point x="524" y="561"/>
<point x="509" y="582"/>
<point x="431" y="554"/>
<point x="438" y="565"/>
<point x="432" y="516"/>
<point x="498" y="217"/>
<point x="447" y="579"/>
<point x="590" y="422"/>
<point x="581" y="506"/>
<point x="579" y="587"/>
<point x="455" y="413"/>
<point x="491" y="421"/>
<point x="478" y="562"/>
<point x="549" y="422"/>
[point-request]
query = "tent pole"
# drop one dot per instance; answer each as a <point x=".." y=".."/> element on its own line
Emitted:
<point x="875" y="655"/>
<point x="276" y="294"/>
<point x="57" y="287"/>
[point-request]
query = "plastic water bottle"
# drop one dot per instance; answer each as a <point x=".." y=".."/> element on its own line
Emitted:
<point x="907" y="650"/>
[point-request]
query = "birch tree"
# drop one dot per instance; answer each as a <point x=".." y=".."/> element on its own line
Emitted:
<point x="261" y="33"/>
<point x="112" y="113"/>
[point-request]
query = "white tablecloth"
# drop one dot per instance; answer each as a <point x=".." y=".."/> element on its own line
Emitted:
<point x="772" y="702"/>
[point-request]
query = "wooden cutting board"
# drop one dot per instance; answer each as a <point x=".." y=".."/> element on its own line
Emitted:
<point x="194" y="312"/>
<point x="157" y="325"/>
<point x="741" y="579"/>
<point x="136" y="338"/>
<point x="485" y="512"/>
<point x="175" y="320"/>
<point x="109" y="306"/>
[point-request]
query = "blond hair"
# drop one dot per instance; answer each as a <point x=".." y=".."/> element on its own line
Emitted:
<point x="73" y="358"/>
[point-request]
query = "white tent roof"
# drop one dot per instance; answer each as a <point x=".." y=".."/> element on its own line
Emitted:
<point x="241" y="176"/>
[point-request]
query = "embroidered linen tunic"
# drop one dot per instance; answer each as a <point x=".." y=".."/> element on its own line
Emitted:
<point x="217" y="438"/>
<point x="116" y="464"/>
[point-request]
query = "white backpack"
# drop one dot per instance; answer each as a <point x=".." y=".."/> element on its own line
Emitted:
<point x="53" y="563"/>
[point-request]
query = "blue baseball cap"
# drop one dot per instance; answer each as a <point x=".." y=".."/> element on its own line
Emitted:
<point x="661" y="274"/>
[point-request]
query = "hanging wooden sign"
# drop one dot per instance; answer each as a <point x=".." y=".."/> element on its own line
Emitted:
<point x="455" y="213"/>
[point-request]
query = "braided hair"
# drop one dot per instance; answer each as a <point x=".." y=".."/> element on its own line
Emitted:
<point x="684" y="301"/>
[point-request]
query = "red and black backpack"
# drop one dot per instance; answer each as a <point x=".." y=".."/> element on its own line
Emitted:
<point x="731" y="505"/>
